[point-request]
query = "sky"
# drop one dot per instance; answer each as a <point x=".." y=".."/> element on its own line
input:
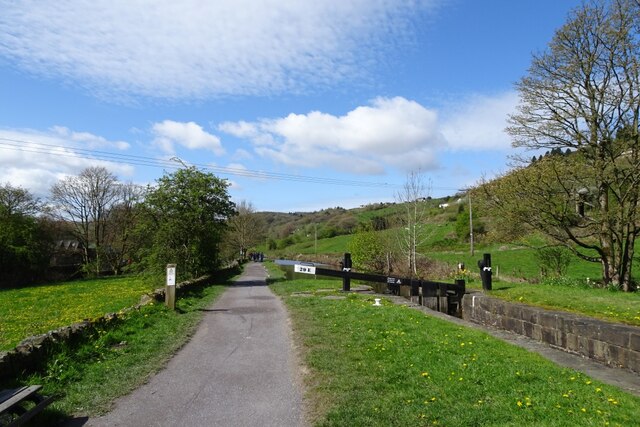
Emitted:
<point x="300" y="105"/>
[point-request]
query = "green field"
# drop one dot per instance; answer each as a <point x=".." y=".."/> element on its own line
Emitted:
<point x="390" y="365"/>
<point x="37" y="309"/>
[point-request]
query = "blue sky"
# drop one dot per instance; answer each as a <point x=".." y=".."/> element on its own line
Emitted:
<point x="301" y="105"/>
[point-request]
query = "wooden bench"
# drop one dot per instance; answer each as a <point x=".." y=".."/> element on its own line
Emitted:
<point x="12" y="410"/>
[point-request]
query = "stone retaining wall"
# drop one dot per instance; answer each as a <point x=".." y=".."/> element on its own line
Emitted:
<point x="610" y="343"/>
<point x="33" y="351"/>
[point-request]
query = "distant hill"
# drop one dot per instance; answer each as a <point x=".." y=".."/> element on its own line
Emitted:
<point x="286" y="231"/>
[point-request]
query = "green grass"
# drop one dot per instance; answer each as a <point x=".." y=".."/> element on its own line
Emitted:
<point x="390" y="365"/>
<point x="37" y="309"/>
<point x="512" y="262"/>
<point x="333" y="245"/>
<point x="118" y="357"/>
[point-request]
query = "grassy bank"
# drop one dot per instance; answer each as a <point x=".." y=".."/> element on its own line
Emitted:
<point x="391" y="365"/>
<point x="37" y="309"/>
<point x="118" y="358"/>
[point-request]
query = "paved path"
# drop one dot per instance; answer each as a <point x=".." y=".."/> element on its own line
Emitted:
<point x="237" y="370"/>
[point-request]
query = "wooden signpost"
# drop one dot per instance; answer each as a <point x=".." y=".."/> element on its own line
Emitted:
<point x="170" y="288"/>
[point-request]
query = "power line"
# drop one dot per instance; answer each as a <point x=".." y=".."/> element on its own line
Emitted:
<point x="130" y="159"/>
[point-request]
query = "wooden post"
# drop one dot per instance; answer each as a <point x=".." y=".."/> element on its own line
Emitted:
<point x="170" y="288"/>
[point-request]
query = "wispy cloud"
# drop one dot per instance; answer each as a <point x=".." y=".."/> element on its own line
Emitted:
<point x="189" y="135"/>
<point x="199" y="49"/>
<point x="87" y="139"/>
<point x="478" y="122"/>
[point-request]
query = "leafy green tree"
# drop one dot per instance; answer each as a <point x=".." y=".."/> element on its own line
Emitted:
<point x="26" y="242"/>
<point x="583" y="94"/>
<point x="368" y="251"/>
<point x="185" y="218"/>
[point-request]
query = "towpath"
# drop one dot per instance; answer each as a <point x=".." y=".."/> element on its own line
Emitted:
<point x="239" y="369"/>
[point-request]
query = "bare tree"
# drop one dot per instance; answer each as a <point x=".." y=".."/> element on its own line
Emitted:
<point x="245" y="229"/>
<point x="583" y="93"/>
<point x="413" y="197"/>
<point x="119" y="241"/>
<point x="86" y="201"/>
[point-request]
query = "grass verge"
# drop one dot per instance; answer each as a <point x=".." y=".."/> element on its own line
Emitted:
<point x="116" y="359"/>
<point x="390" y="365"/>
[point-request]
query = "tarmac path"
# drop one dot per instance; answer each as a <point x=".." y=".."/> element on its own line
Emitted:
<point x="239" y="368"/>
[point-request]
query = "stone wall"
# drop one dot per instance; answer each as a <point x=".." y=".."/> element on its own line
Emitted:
<point x="34" y="351"/>
<point x="610" y="343"/>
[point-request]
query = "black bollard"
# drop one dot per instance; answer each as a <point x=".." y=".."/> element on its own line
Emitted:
<point x="485" y="271"/>
<point x="346" y="268"/>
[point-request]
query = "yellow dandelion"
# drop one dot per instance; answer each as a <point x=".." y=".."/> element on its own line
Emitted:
<point x="519" y="404"/>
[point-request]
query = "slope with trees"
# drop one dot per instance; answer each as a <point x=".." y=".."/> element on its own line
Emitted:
<point x="583" y="94"/>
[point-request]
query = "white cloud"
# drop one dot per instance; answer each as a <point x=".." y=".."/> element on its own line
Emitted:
<point x="91" y="141"/>
<point x="478" y="123"/>
<point x="200" y="49"/>
<point x="390" y="131"/>
<point x="189" y="135"/>
<point x="36" y="160"/>
<point x="242" y="154"/>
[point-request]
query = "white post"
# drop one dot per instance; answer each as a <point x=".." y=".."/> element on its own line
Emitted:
<point x="170" y="288"/>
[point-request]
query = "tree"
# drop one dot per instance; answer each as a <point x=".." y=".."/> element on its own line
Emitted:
<point x="26" y="242"/>
<point x="583" y="94"/>
<point x="413" y="230"/>
<point x="369" y="251"/>
<point x="119" y="240"/>
<point x="185" y="218"/>
<point x="245" y="228"/>
<point x="86" y="201"/>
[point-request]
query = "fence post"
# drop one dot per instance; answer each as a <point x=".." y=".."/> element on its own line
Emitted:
<point x="170" y="288"/>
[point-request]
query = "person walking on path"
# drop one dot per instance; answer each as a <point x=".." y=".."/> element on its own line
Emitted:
<point x="239" y="368"/>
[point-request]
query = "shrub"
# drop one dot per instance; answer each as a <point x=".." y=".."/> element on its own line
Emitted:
<point x="553" y="260"/>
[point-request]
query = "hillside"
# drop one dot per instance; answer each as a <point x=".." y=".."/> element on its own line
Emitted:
<point x="325" y="235"/>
